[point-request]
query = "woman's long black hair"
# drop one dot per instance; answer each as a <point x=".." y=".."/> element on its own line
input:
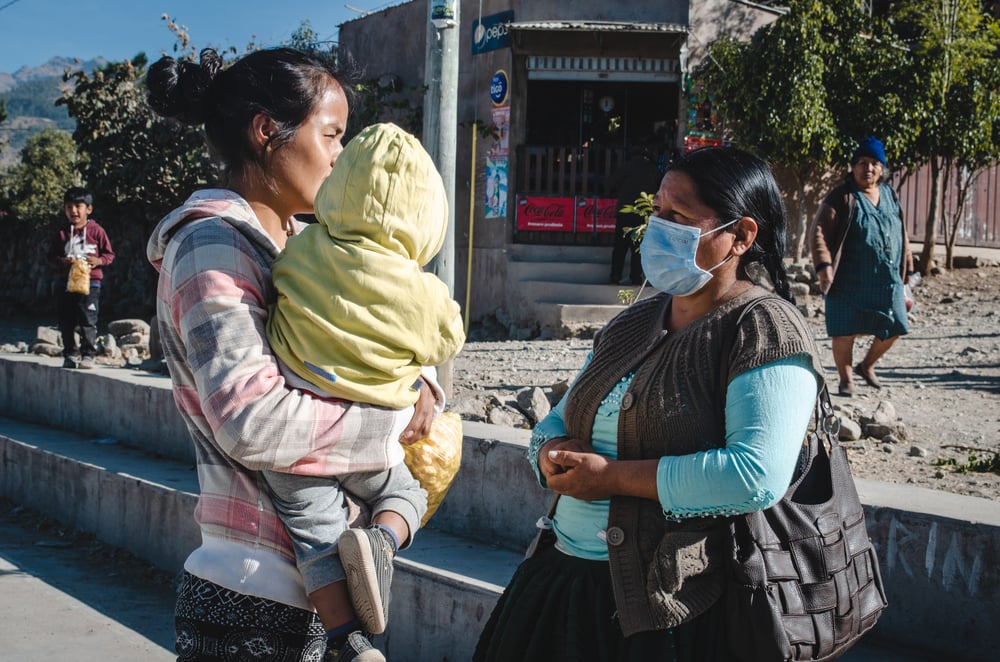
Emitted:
<point x="282" y="83"/>
<point x="735" y="183"/>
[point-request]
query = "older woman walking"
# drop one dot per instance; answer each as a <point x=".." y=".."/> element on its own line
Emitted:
<point x="862" y="259"/>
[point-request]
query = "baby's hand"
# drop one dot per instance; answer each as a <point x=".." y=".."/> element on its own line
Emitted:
<point x="423" y="413"/>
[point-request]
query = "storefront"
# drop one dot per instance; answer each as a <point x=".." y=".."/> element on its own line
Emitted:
<point x="567" y="90"/>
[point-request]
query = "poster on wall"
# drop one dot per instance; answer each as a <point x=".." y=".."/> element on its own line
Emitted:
<point x="501" y="125"/>
<point x="702" y="123"/>
<point x="496" y="187"/>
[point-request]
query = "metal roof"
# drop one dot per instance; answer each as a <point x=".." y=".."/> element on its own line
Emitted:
<point x="599" y="26"/>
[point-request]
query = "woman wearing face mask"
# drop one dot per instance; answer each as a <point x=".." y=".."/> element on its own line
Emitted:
<point x="679" y="417"/>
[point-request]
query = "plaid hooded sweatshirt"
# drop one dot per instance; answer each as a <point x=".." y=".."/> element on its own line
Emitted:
<point x="214" y="262"/>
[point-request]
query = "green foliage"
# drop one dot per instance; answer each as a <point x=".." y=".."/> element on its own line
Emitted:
<point x="385" y="99"/>
<point x="135" y="157"/>
<point x="952" y="85"/>
<point x="980" y="460"/>
<point x="643" y="206"/>
<point x="49" y="165"/>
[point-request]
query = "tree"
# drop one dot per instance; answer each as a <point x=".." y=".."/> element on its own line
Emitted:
<point x="136" y="159"/>
<point x="49" y="165"/>
<point x="787" y="92"/>
<point x="952" y="83"/>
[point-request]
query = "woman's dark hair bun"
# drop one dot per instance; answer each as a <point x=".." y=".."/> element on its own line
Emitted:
<point x="179" y="88"/>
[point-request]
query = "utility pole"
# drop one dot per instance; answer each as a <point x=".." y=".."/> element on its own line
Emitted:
<point x="440" y="131"/>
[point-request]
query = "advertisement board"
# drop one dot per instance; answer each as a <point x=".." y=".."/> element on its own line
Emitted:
<point x="543" y="213"/>
<point x="595" y="214"/>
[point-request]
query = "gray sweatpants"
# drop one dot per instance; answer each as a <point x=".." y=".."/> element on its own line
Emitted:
<point x="314" y="511"/>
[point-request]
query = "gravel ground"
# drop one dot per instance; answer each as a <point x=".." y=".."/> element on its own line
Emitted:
<point x="940" y="384"/>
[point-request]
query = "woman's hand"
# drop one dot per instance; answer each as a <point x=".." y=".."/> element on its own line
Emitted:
<point x="579" y="473"/>
<point x="825" y="277"/>
<point x="546" y="466"/>
<point x="423" y="413"/>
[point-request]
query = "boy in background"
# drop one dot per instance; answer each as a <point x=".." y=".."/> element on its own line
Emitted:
<point x="79" y="239"/>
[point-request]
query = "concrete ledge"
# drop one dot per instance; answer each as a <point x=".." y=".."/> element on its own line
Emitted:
<point x="136" y="408"/>
<point x="939" y="555"/>
<point x="118" y="494"/>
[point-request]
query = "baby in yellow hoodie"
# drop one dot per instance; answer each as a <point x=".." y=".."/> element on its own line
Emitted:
<point x="357" y="318"/>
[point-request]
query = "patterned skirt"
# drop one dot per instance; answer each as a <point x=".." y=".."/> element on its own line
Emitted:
<point x="214" y="623"/>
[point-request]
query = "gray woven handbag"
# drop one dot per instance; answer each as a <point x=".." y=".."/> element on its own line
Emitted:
<point x="804" y="581"/>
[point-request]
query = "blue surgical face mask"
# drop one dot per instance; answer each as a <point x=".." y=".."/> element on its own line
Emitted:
<point x="668" y="252"/>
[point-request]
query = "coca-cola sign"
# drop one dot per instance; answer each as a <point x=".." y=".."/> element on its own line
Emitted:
<point x="599" y="212"/>
<point x="542" y="213"/>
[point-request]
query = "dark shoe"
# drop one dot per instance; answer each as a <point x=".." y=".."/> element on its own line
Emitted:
<point x="68" y="362"/>
<point x="367" y="555"/>
<point x="87" y="363"/>
<point x="846" y="389"/>
<point x="357" y="648"/>
<point x="868" y="374"/>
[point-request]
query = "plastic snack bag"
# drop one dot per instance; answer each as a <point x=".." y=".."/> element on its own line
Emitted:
<point x="435" y="459"/>
<point x="79" y="277"/>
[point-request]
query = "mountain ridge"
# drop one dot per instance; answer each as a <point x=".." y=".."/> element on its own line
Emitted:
<point x="53" y="68"/>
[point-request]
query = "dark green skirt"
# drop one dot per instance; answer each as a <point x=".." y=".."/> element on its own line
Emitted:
<point x="559" y="607"/>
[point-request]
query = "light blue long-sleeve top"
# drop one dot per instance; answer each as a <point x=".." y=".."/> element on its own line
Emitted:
<point x="767" y="412"/>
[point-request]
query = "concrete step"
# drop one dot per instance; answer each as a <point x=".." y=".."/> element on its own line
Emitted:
<point x="563" y="289"/>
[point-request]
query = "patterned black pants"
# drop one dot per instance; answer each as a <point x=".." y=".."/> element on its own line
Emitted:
<point x="214" y="623"/>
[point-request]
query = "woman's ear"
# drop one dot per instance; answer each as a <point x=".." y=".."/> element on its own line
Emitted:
<point x="262" y="129"/>
<point x="746" y="233"/>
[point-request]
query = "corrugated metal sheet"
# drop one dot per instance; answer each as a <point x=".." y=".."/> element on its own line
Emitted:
<point x="599" y="26"/>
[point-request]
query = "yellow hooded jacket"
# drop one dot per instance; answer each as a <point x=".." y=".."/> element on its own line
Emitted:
<point x="356" y="315"/>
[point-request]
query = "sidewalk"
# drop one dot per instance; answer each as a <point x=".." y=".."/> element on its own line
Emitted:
<point x="60" y="600"/>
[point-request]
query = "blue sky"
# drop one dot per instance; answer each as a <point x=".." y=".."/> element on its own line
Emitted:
<point x="33" y="31"/>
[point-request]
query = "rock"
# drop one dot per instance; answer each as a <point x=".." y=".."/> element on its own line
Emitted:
<point x="887" y="448"/>
<point x="965" y="262"/>
<point x="134" y="339"/>
<point x="849" y="429"/>
<point x="126" y="326"/>
<point x="890" y="439"/>
<point x="521" y="333"/>
<point x="502" y="416"/>
<point x="470" y="409"/>
<point x="799" y="289"/>
<point x="885" y="413"/>
<point x="533" y="403"/>
<point x="917" y="451"/>
<point x="877" y="430"/>
<point x="46" y="349"/>
<point x="49" y="335"/>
